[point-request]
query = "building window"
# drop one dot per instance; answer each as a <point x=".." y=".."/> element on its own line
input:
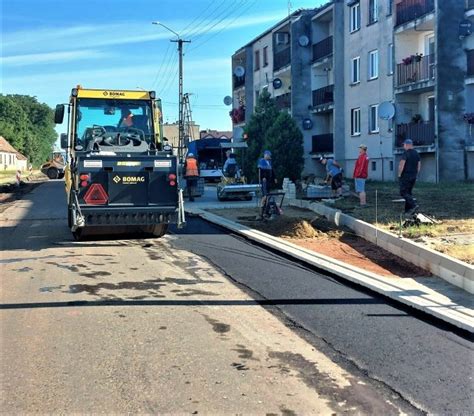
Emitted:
<point x="355" y="70"/>
<point x="355" y="122"/>
<point x="373" y="11"/>
<point x="390" y="59"/>
<point x="257" y="60"/>
<point x="389" y="7"/>
<point x="373" y="64"/>
<point x="265" y="56"/>
<point x="391" y="166"/>
<point x="374" y="118"/>
<point x="355" y="17"/>
<point x="257" y="95"/>
<point x="374" y="166"/>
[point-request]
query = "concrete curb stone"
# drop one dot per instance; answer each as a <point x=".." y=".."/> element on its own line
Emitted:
<point x="454" y="271"/>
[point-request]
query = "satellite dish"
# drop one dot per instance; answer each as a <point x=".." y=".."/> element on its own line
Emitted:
<point x="239" y="71"/>
<point x="465" y="28"/>
<point x="277" y="83"/>
<point x="303" y="40"/>
<point x="307" y="124"/>
<point x="228" y="100"/>
<point x="386" y="110"/>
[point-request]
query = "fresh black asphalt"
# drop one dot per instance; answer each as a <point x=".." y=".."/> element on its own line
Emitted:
<point x="427" y="364"/>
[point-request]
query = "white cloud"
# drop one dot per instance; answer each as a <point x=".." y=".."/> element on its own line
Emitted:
<point x="50" y="57"/>
<point x="93" y="36"/>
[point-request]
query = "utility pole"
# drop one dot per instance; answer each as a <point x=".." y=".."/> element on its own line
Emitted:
<point x="180" y="42"/>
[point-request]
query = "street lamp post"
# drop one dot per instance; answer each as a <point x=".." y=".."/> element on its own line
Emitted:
<point x="180" y="42"/>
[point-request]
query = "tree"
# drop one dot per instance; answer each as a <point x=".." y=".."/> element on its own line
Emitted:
<point x="28" y="126"/>
<point x="261" y="121"/>
<point x="285" y="140"/>
<point x="268" y="128"/>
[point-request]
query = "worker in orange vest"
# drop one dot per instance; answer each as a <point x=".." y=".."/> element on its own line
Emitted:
<point x="191" y="174"/>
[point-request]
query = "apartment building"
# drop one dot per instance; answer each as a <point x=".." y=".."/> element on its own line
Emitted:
<point x="279" y="61"/>
<point x="373" y="72"/>
<point x="430" y="85"/>
<point x="467" y="34"/>
<point x="328" y="117"/>
<point x="369" y="70"/>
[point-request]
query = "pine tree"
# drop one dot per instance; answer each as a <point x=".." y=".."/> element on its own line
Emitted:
<point x="285" y="141"/>
<point x="270" y="129"/>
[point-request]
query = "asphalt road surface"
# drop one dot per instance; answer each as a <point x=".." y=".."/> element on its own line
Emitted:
<point x="200" y="322"/>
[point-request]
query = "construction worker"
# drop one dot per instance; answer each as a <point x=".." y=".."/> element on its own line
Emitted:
<point x="267" y="178"/>
<point x="127" y="118"/>
<point x="191" y="174"/>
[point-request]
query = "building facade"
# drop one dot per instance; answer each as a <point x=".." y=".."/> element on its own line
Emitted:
<point x="10" y="158"/>
<point x="374" y="72"/>
<point x="369" y="70"/>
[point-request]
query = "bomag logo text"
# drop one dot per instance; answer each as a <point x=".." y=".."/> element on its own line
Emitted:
<point x="133" y="179"/>
<point x="114" y="94"/>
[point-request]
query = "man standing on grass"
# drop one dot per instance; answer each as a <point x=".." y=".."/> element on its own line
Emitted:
<point x="361" y="172"/>
<point x="408" y="170"/>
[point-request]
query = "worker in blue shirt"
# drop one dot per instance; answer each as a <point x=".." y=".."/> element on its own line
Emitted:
<point x="334" y="175"/>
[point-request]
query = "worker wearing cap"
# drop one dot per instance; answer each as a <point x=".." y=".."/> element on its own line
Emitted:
<point x="191" y="174"/>
<point x="361" y="172"/>
<point x="266" y="173"/>
<point x="408" y="169"/>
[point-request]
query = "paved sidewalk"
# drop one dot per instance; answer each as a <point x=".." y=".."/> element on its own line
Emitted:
<point x="430" y="295"/>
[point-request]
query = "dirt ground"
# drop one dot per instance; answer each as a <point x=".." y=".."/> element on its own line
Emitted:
<point x="313" y="232"/>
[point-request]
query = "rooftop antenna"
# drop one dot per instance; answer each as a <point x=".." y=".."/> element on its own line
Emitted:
<point x="289" y="8"/>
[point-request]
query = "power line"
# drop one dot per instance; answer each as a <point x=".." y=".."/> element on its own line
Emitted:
<point x="196" y="18"/>
<point x="170" y="79"/>
<point x="226" y="16"/>
<point x="208" y="20"/>
<point x="225" y="27"/>
<point x="161" y="66"/>
<point x="202" y="20"/>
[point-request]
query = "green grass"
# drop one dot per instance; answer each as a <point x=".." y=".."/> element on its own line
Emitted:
<point x="442" y="201"/>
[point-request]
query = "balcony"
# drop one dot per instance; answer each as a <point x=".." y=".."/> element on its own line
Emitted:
<point x="323" y="99"/>
<point x="238" y="82"/>
<point x="322" y="49"/>
<point x="470" y="63"/>
<point x="469" y="5"/>
<point x="422" y="134"/>
<point x="283" y="101"/>
<point x="281" y="59"/>
<point x="408" y="10"/>
<point x="415" y="69"/>
<point x="322" y="143"/>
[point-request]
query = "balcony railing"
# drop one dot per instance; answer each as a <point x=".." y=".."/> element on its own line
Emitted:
<point x="322" y="49"/>
<point x="323" y="95"/>
<point x="422" y="134"/>
<point x="283" y="101"/>
<point x="469" y="4"/>
<point x="415" y="69"/>
<point x="323" y="143"/>
<point x="408" y="10"/>
<point x="239" y="82"/>
<point x="281" y="59"/>
<point x="470" y="63"/>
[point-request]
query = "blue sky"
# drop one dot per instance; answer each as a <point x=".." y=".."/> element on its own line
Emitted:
<point x="49" y="46"/>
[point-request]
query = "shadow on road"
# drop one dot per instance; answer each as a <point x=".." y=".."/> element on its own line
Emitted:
<point x="193" y="302"/>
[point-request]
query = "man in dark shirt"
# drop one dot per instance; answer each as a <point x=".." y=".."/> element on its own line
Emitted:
<point x="408" y="170"/>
